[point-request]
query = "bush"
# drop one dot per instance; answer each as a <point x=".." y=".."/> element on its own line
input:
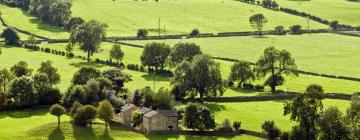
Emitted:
<point x="248" y="86"/>
<point x="237" y="125"/>
<point x="194" y="32"/>
<point x="71" y="55"/>
<point x="142" y="33"/>
<point x="259" y="88"/>
<point x="85" y="115"/>
<point x="47" y="50"/>
<point x="11" y="36"/>
<point x="136" y="118"/>
<point x="279" y="30"/>
<point x="133" y="67"/>
<point x="271" y="130"/>
<point x="285" y="136"/>
<point x="295" y="29"/>
<point x="75" y="106"/>
<point x="49" y="96"/>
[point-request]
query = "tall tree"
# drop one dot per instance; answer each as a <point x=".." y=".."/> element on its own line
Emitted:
<point x="353" y="117"/>
<point x="184" y="51"/>
<point x="258" y="21"/>
<point x="241" y="71"/>
<point x="305" y="109"/>
<point x="22" y="92"/>
<point x="276" y="63"/>
<point x="11" y="36"/>
<point x="21" y="69"/>
<point x="332" y="126"/>
<point x="50" y="71"/>
<point x="116" y="53"/>
<point x="105" y="111"/>
<point x="5" y="78"/>
<point x="88" y="36"/>
<point x="57" y="110"/>
<point x="198" y="117"/>
<point x="155" y="55"/>
<point x="202" y="75"/>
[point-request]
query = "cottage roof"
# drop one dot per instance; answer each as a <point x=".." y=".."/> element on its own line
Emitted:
<point x="169" y="113"/>
<point x="144" y="110"/>
<point x="150" y="114"/>
<point x="127" y="107"/>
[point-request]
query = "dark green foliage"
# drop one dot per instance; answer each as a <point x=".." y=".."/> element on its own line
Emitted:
<point x="280" y="30"/>
<point x="5" y="79"/>
<point x="74" y="22"/>
<point x="85" y="115"/>
<point x="276" y="63"/>
<point x="258" y="21"/>
<point x="184" y="51"/>
<point x="295" y="29"/>
<point x="50" y="71"/>
<point x="75" y="94"/>
<point x="11" y="36"/>
<point x="334" y="25"/>
<point x="194" y="32"/>
<point x="49" y="96"/>
<point x="271" y="130"/>
<point x="241" y="71"/>
<point x="88" y="36"/>
<point x="53" y="12"/>
<point x="332" y="126"/>
<point x="105" y="111"/>
<point x="353" y="117"/>
<point x="237" y="125"/>
<point x="22" y="92"/>
<point x="202" y="75"/>
<point x="116" y="53"/>
<point x="41" y="82"/>
<point x="118" y="78"/>
<point x="136" y="118"/>
<point x="198" y="118"/>
<point x="75" y="106"/>
<point x="57" y="110"/>
<point x="21" y="69"/>
<point x="163" y="99"/>
<point x="92" y="89"/>
<point x="155" y="55"/>
<point x="142" y="33"/>
<point x="285" y="136"/>
<point x="85" y="74"/>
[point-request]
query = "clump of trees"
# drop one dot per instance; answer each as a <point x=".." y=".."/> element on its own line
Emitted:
<point x="155" y="55"/>
<point x="271" y="4"/>
<point x="88" y="36"/>
<point x="243" y="72"/>
<point x="10" y="35"/>
<point x="198" y="117"/>
<point x="183" y="51"/>
<point x="271" y="130"/>
<point x="162" y="99"/>
<point x="258" y="21"/>
<point x="201" y="75"/>
<point x="54" y="12"/>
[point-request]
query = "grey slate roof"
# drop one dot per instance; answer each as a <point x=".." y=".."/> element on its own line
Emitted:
<point x="150" y="114"/>
<point x="127" y="107"/>
<point x="169" y="113"/>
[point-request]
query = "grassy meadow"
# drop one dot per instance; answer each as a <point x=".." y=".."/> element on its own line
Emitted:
<point x="322" y="53"/>
<point x="344" y="11"/>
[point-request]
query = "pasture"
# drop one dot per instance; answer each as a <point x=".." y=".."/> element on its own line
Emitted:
<point x="344" y="11"/>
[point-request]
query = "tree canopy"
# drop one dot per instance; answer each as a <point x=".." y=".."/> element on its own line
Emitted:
<point x="155" y="55"/>
<point x="258" y="21"/>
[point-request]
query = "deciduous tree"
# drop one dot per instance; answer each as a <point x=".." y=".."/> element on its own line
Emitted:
<point x="241" y="71"/>
<point x="105" y="111"/>
<point x="258" y="21"/>
<point x="57" y="110"/>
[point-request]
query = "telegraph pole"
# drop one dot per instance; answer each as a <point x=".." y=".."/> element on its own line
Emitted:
<point x="159" y="26"/>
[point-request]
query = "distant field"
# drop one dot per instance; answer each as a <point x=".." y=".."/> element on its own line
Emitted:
<point x="35" y="124"/>
<point x="321" y="53"/>
<point x="132" y="56"/>
<point x="22" y="20"/>
<point x="344" y="11"/>
<point x="125" y="17"/>
<point x="253" y="114"/>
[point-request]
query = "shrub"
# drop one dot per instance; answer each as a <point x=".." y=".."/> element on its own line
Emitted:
<point x="136" y="118"/>
<point x="47" y="50"/>
<point x="271" y="130"/>
<point x="142" y="33"/>
<point x="259" y="88"/>
<point x="237" y="125"/>
<point x="71" y="55"/>
<point x="285" y="136"/>
<point x="75" y="94"/>
<point x="49" y="96"/>
<point x="85" y="115"/>
<point x="194" y="32"/>
<point x="279" y="30"/>
<point x="295" y="29"/>
<point x="133" y="67"/>
<point x="75" y="106"/>
<point x="248" y="86"/>
<point x="11" y="36"/>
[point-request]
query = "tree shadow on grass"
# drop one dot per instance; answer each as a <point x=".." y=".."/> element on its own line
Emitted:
<point x="106" y="135"/>
<point x="82" y="64"/>
<point x="83" y="133"/>
<point x="23" y="113"/>
<point x="56" y="134"/>
<point x="43" y="26"/>
<point x="241" y="90"/>
<point x="215" y="107"/>
<point x="152" y="77"/>
<point x="260" y="36"/>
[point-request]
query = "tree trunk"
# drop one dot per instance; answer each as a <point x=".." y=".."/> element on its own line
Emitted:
<point x="88" y="56"/>
<point x="4" y="86"/>
<point x="58" y="121"/>
<point x="106" y="124"/>
<point x="273" y="88"/>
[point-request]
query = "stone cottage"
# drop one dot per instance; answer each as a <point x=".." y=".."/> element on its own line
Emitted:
<point x="160" y="120"/>
<point x="126" y="112"/>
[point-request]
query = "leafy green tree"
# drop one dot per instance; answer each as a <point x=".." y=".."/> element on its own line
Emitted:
<point x="57" y="110"/>
<point x="116" y="53"/>
<point x="85" y="115"/>
<point x="353" y="117"/>
<point x="5" y="79"/>
<point x="88" y="36"/>
<point x="118" y="77"/>
<point x="85" y="74"/>
<point x="54" y="12"/>
<point x="202" y="75"/>
<point x="258" y="21"/>
<point x="75" y="106"/>
<point x="332" y="126"/>
<point x="241" y="71"/>
<point x="142" y="33"/>
<point x="105" y="111"/>
<point x="21" y="69"/>
<point x="50" y="71"/>
<point x="147" y="100"/>
<point x="11" y="36"/>
<point x="163" y="99"/>
<point x="75" y="94"/>
<point x="305" y="109"/>
<point x="136" y="118"/>
<point x="271" y="130"/>
<point x="184" y="51"/>
<point x="93" y="91"/>
<point x="295" y="29"/>
<point x="73" y="23"/>
<point x="22" y="92"/>
<point x="155" y="55"/>
<point x="276" y="63"/>
<point x="198" y="118"/>
<point x="41" y="82"/>
<point x="237" y="125"/>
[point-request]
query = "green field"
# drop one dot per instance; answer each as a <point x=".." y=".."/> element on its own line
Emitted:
<point x="253" y="114"/>
<point x="321" y="53"/>
<point x="344" y="11"/>
<point x="36" y="124"/>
